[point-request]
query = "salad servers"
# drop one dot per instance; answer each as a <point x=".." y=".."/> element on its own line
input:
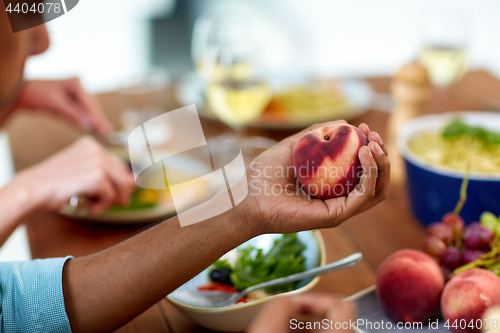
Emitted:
<point x="215" y="299"/>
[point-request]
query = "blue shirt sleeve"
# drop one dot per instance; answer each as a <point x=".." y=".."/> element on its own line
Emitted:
<point x="31" y="296"/>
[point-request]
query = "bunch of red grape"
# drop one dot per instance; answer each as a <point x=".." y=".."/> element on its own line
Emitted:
<point x="453" y="245"/>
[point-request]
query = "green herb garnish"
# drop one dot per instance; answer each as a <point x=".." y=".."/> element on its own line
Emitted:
<point x="457" y="128"/>
<point x="253" y="267"/>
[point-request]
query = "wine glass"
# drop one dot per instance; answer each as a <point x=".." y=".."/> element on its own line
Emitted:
<point x="226" y="55"/>
<point x="443" y="45"/>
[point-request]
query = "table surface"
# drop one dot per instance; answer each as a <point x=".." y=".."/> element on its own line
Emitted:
<point x="376" y="233"/>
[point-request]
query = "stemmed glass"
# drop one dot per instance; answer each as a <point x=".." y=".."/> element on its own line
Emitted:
<point x="227" y="57"/>
<point x="443" y="47"/>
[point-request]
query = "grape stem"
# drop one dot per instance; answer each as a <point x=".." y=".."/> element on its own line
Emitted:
<point x="485" y="261"/>
<point x="463" y="192"/>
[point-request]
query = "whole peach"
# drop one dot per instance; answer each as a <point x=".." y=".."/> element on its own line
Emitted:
<point x="409" y="286"/>
<point x="467" y="296"/>
<point x="326" y="160"/>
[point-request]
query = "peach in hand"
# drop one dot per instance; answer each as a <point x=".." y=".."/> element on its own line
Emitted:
<point x="409" y="286"/>
<point x="326" y="160"/>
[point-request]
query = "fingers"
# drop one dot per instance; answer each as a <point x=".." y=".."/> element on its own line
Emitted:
<point x="113" y="182"/>
<point x="122" y="178"/>
<point x="374" y="136"/>
<point x="65" y="107"/>
<point x="344" y="312"/>
<point x="317" y="304"/>
<point x="103" y="195"/>
<point x="90" y="109"/>
<point x="275" y="316"/>
<point x="364" y="128"/>
<point x="365" y="190"/>
<point x="340" y="313"/>
<point x="384" y="171"/>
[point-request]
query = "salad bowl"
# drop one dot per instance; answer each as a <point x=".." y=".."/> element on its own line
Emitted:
<point x="237" y="317"/>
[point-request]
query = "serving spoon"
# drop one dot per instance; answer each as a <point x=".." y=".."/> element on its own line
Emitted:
<point x="216" y="299"/>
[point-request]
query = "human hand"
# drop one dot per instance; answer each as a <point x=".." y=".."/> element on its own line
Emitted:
<point x="65" y="99"/>
<point x="84" y="168"/>
<point x="276" y="203"/>
<point x="286" y="314"/>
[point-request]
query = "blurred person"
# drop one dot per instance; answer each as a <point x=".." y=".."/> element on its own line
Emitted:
<point x="103" y="291"/>
<point x="83" y="168"/>
<point x="321" y="312"/>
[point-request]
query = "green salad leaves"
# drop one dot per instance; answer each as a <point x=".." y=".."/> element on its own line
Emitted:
<point x="458" y="128"/>
<point x="253" y="266"/>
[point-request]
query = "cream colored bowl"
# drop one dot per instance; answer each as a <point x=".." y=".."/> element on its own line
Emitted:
<point x="236" y="318"/>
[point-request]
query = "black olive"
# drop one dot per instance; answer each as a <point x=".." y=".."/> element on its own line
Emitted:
<point x="215" y="275"/>
<point x="224" y="276"/>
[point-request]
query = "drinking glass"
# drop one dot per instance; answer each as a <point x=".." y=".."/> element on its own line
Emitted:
<point x="443" y="45"/>
<point x="226" y="55"/>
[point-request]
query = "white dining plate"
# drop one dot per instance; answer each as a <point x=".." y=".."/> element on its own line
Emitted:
<point x="193" y="195"/>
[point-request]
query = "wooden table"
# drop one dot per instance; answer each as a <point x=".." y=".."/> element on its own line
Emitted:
<point x="377" y="233"/>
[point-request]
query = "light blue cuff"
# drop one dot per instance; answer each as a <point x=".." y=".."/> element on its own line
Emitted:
<point x="31" y="296"/>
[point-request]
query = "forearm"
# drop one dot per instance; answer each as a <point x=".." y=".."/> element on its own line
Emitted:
<point x="105" y="290"/>
<point x="16" y="201"/>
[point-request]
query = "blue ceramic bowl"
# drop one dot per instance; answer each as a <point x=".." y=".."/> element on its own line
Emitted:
<point x="434" y="189"/>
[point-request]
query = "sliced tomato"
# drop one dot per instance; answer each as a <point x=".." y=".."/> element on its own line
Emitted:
<point x="217" y="286"/>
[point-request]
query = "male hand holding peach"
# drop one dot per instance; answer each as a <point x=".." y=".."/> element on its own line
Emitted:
<point x="284" y="206"/>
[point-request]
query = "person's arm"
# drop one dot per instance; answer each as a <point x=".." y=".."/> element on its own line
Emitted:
<point x="31" y="296"/>
<point x="15" y="204"/>
<point x="62" y="98"/>
<point x="105" y="290"/>
<point x="84" y="168"/>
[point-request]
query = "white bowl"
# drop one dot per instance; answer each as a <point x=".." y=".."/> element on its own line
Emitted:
<point x="236" y="318"/>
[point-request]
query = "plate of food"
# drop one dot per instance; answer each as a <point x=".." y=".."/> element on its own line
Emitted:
<point x="261" y="259"/>
<point x="295" y="102"/>
<point x="150" y="204"/>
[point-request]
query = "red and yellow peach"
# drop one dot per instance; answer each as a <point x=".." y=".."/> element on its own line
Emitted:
<point x="326" y="160"/>
<point x="467" y="296"/>
<point x="409" y="286"/>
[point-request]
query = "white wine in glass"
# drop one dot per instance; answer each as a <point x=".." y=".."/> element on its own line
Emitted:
<point x="445" y="64"/>
<point x="238" y="102"/>
<point x="443" y="45"/>
<point x="228" y="56"/>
